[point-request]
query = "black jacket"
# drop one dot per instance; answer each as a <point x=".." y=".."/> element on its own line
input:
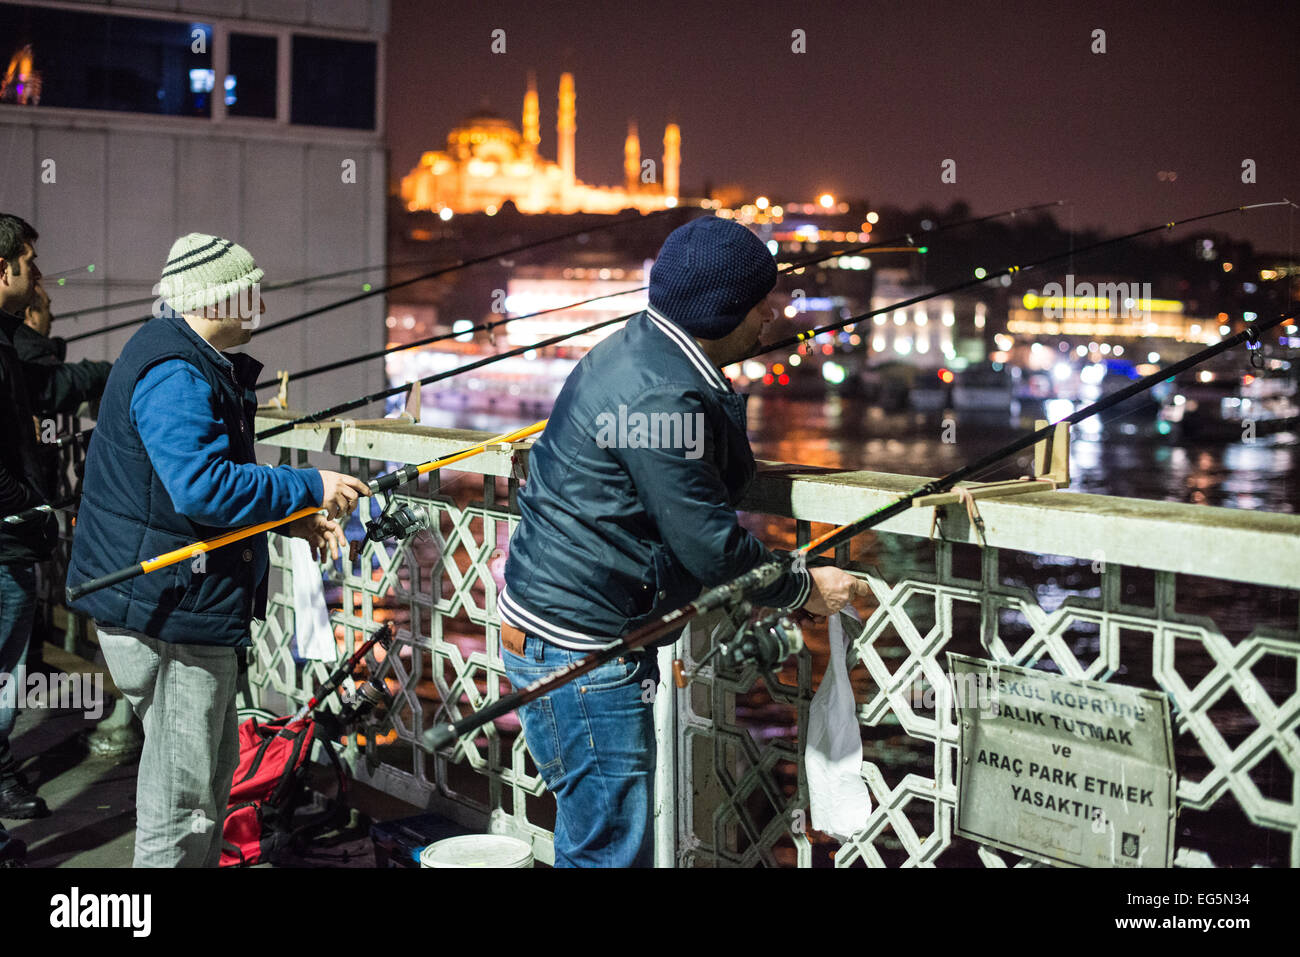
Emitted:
<point x="81" y="381"/>
<point x="30" y="391"/>
<point x="629" y="507"/>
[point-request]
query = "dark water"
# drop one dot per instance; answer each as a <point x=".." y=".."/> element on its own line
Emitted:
<point x="1106" y="460"/>
<point x="1124" y="458"/>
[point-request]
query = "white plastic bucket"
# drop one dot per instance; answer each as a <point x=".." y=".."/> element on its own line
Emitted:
<point x="478" y="850"/>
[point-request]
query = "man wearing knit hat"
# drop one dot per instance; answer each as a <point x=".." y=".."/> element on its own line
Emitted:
<point x="618" y="529"/>
<point x="172" y="462"/>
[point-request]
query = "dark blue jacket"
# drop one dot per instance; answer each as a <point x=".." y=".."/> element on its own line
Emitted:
<point x="127" y="514"/>
<point x="629" y="507"/>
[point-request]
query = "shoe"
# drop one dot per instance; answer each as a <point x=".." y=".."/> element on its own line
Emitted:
<point x="19" y="801"/>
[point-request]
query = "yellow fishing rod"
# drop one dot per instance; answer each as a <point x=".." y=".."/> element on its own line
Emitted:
<point x="381" y="484"/>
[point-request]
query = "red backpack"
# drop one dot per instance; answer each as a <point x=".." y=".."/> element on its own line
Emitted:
<point x="268" y="788"/>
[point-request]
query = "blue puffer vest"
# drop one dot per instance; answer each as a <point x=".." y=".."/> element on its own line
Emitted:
<point x="126" y="515"/>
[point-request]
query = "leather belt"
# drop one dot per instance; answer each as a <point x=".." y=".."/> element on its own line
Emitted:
<point x="512" y="639"/>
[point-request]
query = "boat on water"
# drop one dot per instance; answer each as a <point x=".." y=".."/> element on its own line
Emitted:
<point x="1225" y="405"/>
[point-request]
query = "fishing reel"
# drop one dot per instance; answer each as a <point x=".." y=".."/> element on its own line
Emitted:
<point x="765" y="642"/>
<point x="369" y="703"/>
<point x="368" y="697"/>
<point x="401" y="522"/>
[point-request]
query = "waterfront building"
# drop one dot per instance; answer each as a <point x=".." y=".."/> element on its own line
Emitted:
<point x="488" y="162"/>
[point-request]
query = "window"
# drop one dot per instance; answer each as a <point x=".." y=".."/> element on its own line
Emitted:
<point x="94" y="61"/>
<point x="251" y="76"/>
<point x="333" y="83"/>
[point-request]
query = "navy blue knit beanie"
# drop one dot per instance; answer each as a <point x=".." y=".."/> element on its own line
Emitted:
<point x="710" y="273"/>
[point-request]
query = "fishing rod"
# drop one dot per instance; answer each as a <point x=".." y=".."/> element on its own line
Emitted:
<point x="492" y="324"/>
<point x="555" y="340"/>
<point x="383" y="637"/>
<point x="274" y="287"/>
<point x="772" y="639"/>
<point x="801" y="337"/>
<point x="463" y="263"/>
<point x="790" y="267"/>
<point x="380" y="290"/>
<point x="483" y="327"/>
<point x="402" y="522"/>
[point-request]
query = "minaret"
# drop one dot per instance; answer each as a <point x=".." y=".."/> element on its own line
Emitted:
<point x="632" y="159"/>
<point x="532" y="118"/>
<point x="566" y="126"/>
<point x="672" y="158"/>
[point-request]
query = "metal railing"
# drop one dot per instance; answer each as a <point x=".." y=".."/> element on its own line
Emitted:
<point x="1197" y="602"/>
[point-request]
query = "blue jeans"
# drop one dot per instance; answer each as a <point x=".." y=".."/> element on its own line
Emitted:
<point x="593" y="741"/>
<point x="17" y="610"/>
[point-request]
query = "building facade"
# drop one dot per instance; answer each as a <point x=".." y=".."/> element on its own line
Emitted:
<point x="258" y="120"/>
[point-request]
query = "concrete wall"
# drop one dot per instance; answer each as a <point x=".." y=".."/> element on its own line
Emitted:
<point x="362" y="15"/>
<point x="126" y="185"/>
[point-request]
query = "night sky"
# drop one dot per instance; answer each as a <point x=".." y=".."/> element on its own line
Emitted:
<point x="886" y="92"/>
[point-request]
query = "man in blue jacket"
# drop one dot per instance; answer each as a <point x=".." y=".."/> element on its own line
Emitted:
<point x="172" y="462"/>
<point x="628" y="511"/>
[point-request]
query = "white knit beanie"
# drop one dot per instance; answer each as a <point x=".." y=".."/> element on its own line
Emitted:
<point x="205" y="270"/>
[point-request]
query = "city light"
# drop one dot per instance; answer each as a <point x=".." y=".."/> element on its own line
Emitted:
<point x="460" y="325"/>
<point x="761" y="202"/>
<point x="1153" y="357"/>
<point x="873" y="217"/>
<point x="980" y="272"/>
<point x="444" y="214"/>
<point x="826" y="200"/>
<point x="833" y="372"/>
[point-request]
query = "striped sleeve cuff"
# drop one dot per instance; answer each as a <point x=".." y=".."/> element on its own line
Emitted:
<point x="803" y="578"/>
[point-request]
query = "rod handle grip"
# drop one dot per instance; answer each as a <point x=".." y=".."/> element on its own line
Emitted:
<point x="439" y="736"/>
<point x="104" y="581"/>
<point x="394" y="479"/>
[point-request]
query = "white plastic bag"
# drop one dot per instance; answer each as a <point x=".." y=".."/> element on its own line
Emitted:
<point x="314" y="636"/>
<point x="839" y="797"/>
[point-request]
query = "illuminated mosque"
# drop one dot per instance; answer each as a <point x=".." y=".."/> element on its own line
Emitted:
<point x="487" y="161"/>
